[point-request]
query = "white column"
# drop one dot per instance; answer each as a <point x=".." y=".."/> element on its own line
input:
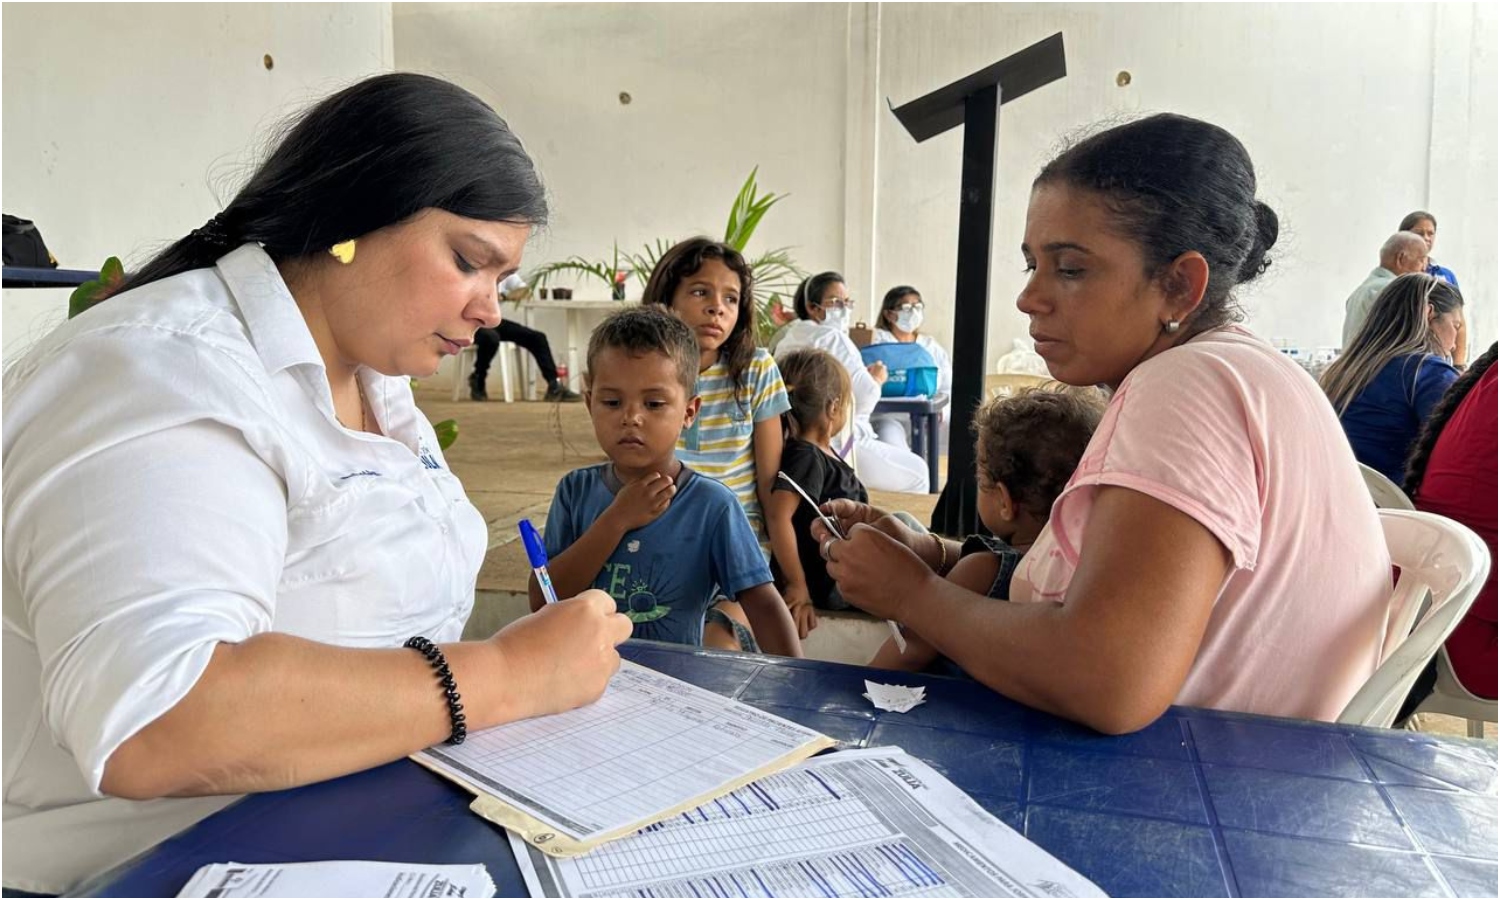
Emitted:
<point x="864" y="109"/>
<point x="1461" y="164"/>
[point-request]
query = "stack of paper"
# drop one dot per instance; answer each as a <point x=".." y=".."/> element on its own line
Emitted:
<point x="894" y="697"/>
<point x="858" y="823"/>
<point x="353" y="878"/>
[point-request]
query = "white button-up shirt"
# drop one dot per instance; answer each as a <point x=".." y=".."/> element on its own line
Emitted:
<point x="805" y="333"/>
<point x="174" y="477"/>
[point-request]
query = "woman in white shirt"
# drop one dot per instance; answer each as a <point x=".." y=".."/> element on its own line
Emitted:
<point x="901" y="316"/>
<point x="822" y="306"/>
<point x="225" y="514"/>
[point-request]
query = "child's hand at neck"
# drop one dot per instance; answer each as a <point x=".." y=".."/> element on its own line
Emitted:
<point x="644" y="497"/>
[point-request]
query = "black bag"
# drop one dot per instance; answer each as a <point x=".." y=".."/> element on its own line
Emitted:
<point x="23" y="245"/>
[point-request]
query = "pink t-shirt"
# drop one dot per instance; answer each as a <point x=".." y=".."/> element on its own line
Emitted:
<point x="1232" y="433"/>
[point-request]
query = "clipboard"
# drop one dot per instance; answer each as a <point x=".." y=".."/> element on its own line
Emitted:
<point x="572" y="826"/>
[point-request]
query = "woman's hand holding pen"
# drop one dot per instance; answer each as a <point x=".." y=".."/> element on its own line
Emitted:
<point x="561" y="656"/>
<point x="642" y="501"/>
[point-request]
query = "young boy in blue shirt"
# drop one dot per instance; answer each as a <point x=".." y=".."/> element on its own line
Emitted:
<point x="661" y="539"/>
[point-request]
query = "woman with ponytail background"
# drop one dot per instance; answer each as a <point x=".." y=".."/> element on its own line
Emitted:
<point x="225" y="514"/>
<point x="1389" y="378"/>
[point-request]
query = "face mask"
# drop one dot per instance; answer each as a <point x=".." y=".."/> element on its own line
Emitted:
<point x="837" y="318"/>
<point x="909" y="321"/>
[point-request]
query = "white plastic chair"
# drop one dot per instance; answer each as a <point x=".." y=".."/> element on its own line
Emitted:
<point x="1443" y="565"/>
<point x="1451" y="698"/>
<point x="1385" y="492"/>
<point x="464" y="363"/>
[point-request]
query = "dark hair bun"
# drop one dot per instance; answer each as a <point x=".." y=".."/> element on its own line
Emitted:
<point x="1267" y="228"/>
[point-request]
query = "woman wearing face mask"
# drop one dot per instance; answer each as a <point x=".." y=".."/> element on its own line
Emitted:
<point x="822" y="305"/>
<point x="901" y="316"/>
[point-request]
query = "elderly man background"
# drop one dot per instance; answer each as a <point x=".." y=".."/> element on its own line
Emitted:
<point x="1402" y="252"/>
<point x="1424" y="225"/>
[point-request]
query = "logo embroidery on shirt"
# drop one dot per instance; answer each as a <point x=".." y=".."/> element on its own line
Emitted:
<point x="633" y="547"/>
<point x="425" y="455"/>
<point x="369" y="472"/>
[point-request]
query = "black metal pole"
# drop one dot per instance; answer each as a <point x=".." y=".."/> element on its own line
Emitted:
<point x="957" y="511"/>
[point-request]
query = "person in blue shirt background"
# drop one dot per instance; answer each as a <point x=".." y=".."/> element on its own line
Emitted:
<point x="1424" y="225"/>
<point x="659" y="538"/>
<point x="1396" y="369"/>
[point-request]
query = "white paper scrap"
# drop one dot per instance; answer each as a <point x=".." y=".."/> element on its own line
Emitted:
<point x="339" y="878"/>
<point x="894" y="697"/>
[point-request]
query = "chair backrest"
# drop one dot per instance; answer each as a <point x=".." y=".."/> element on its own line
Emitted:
<point x="1385" y="492"/>
<point x="1443" y="565"/>
<point x="1450" y="698"/>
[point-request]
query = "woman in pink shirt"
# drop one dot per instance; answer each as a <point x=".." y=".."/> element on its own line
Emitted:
<point x="1216" y="546"/>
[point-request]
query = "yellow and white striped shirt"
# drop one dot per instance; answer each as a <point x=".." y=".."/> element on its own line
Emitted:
<point x="721" y="442"/>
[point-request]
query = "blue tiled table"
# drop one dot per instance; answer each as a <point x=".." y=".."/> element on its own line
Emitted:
<point x="1201" y="803"/>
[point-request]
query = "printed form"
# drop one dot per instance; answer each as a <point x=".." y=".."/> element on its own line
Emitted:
<point x="651" y="747"/>
<point x="858" y="823"/>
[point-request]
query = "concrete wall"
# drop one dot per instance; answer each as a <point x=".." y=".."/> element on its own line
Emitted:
<point x="125" y="124"/>
<point x="1354" y="114"/>
<point x="715" y="91"/>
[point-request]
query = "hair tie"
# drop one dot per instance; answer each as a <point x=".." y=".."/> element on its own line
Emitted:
<point x="214" y="232"/>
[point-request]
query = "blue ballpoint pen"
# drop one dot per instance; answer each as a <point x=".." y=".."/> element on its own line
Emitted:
<point x="537" y="554"/>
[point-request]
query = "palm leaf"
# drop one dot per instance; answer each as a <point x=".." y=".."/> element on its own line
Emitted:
<point x="732" y="229"/>
<point x="576" y="265"/>
<point x="645" y="261"/>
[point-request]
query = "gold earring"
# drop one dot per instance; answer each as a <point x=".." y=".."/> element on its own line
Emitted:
<point x="343" y="251"/>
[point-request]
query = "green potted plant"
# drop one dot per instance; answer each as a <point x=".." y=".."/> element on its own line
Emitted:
<point x="776" y="274"/>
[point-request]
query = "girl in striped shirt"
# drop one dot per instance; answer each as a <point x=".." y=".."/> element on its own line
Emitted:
<point x="737" y="436"/>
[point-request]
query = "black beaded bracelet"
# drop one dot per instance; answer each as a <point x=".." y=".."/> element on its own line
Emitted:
<point x="445" y="679"/>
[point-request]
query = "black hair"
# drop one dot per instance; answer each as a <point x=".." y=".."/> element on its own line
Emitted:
<point x="1412" y="219"/>
<point x="811" y="291"/>
<point x="1173" y="184"/>
<point x="678" y="264"/>
<point x="372" y="155"/>
<point x="893" y="298"/>
<point x="1032" y="442"/>
<point x="1437" y="420"/>
<point x="815" y="380"/>
<point x="640" y="330"/>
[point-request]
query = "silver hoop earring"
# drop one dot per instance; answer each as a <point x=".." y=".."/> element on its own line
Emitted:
<point x="1172" y="326"/>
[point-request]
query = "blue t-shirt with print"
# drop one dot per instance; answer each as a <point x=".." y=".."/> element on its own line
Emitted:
<point x="666" y="575"/>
